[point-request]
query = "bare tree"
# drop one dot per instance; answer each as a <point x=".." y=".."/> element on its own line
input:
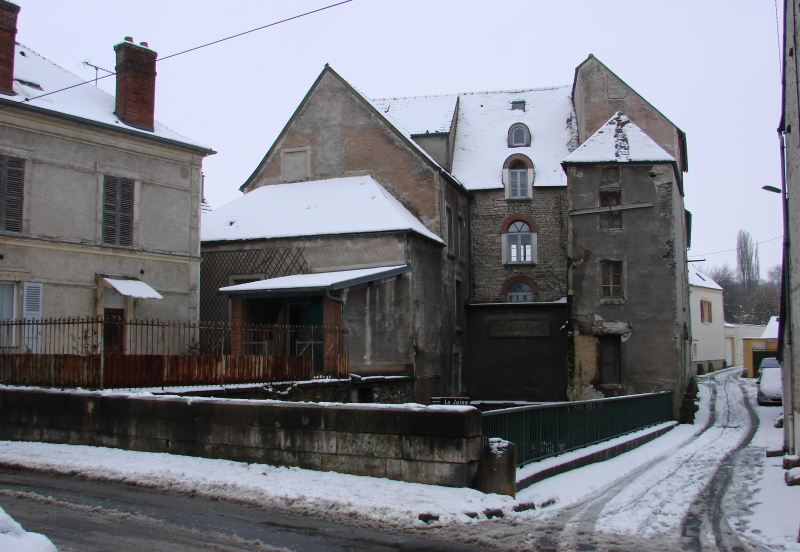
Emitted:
<point x="747" y="264"/>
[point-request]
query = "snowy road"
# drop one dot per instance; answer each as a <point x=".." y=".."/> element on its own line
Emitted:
<point x="659" y="504"/>
<point x="698" y="488"/>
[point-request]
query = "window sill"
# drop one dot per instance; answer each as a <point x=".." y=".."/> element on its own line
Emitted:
<point x="610" y="386"/>
<point x="612" y="300"/>
<point x="520" y="263"/>
<point x="526" y="198"/>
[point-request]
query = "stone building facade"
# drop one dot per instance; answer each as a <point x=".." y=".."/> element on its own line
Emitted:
<point x="496" y="302"/>
<point x="95" y="193"/>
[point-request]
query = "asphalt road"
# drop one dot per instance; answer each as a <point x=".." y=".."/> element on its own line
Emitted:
<point x="90" y="516"/>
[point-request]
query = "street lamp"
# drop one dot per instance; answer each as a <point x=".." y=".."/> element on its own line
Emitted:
<point x="786" y="310"/>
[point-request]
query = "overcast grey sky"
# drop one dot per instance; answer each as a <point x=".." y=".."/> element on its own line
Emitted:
<point x="711" y="66"/>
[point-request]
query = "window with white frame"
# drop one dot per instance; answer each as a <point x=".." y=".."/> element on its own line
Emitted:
<point x="518" y="180"/>
<point x="519" y="244"/>
<point x="519" y="292"/>
<point x="519" y="136"/>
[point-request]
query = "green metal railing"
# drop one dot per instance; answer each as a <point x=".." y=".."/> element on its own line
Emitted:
<point x="546" y="430"/>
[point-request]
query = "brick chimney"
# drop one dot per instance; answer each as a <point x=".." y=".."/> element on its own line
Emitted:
<point x="136" y="84"/>
<point x="8" y="37"/>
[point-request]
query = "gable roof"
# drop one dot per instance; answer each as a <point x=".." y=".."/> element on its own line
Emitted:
<point x="698" y="279"/>
<point x="482" y="125"/>
<point x="351" y="205"/>
<point x="421" y="114"/>
<point x="38" y="85"/>
<point x="388" y="119"/>
<point x="619" y="141"/>
<point x="772" y="329"/>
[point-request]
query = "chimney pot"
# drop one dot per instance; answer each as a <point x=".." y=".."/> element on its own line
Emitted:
<point x="8" y="38"/>
<point x="144" y="44"/>
<point x="128" y="39"/>
<point x="136" y="85"/>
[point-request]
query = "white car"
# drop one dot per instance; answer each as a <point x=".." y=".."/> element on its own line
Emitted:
<point x="770" y="386"/>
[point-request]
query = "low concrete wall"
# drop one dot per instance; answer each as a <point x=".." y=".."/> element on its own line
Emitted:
<point x="436" y="445"/>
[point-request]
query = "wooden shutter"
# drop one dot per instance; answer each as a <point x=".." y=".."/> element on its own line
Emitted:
<point x="117" y="211"/>
<point x="12" y="179"/>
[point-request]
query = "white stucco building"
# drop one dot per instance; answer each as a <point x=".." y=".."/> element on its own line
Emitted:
<point x="708" y="322"/>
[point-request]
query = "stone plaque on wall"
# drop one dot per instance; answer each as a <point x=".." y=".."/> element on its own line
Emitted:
<point x="519" y="328"/>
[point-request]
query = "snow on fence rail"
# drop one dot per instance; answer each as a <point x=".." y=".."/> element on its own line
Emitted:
<point x="98" y="353"/>
<point x="546" y="430"/>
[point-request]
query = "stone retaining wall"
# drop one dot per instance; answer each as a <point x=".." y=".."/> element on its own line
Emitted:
<point x="436" y="445"/>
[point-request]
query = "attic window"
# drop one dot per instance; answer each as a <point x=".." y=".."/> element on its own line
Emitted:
<point x="518" y="104"/>
<point x="519" y="136"/>
<point x="29" y="83"/>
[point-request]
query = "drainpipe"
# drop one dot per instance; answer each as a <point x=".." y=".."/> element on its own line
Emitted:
<point x="788" y="390"/>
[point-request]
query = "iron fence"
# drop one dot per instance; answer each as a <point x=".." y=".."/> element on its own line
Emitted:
<point x="98" y="352"/>
<point x="546" y="430"/>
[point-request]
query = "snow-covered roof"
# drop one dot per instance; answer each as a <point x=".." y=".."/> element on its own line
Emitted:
<point x="320" y="281"/>
<point x="350" y="205"/>
<point x="35" y="76"/>
<point x="772" y="329"/>
<point x="698" y="279"/>
<point x="619" y="141"/>
<point x="483" y="121"/>
<point x="133" y="287"/>
<point x="421" y="114"/>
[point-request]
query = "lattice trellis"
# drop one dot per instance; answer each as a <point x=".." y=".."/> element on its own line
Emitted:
<point x="219" y="266"/>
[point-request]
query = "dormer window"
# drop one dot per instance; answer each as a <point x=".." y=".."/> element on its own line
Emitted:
<point x="518" y="104"/>
<point x="518" y="177"/>
<point x="519" y="136"/>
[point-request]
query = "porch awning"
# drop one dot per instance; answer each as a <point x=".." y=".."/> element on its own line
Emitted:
<point x="133" y="288"/>
<point x="316" y="282"/>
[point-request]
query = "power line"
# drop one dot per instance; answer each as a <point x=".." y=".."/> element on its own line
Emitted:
<point x="273" y="24"/>
<point x="734" y="249"/>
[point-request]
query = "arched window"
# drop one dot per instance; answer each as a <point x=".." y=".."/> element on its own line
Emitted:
<point x="518" y="177"/>
<point x="519" y="293"/>
<point x="519" y="244"/>
<point x="519" y="136"/>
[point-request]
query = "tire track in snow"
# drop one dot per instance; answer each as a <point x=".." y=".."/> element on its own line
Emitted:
<point x="664" y="478"/>
<point x="708" y="509"/>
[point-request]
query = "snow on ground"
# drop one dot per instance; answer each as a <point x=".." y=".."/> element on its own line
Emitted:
<point x="394" y="505"/>
<point x="772" y="520"/>
<point x="14" y="538"/>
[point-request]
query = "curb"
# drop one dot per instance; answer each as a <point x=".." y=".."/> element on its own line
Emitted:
<point x="592" y="458"/>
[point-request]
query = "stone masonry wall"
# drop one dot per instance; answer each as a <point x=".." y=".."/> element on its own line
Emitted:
<point x="436" y="445"/>
<point x="547" y="209"/>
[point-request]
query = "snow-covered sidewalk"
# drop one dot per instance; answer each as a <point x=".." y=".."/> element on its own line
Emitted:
<point x="395" y="505"/>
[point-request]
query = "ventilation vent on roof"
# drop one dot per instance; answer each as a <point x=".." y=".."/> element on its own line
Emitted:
<point x="518" y="104"/>
<point x="29" y="84"/>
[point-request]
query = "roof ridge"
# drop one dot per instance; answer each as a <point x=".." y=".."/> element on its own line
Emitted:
<point x="474" y="93"/>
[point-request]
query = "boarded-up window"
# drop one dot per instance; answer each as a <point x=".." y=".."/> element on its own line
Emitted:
<point x="295" y="165"/>
<point x="12" y="176"/>
<point x="117" y="211"/>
